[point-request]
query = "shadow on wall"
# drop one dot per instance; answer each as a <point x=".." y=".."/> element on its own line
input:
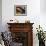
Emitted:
<point x="0" y="15"/>
<point x="43" y="6"/>
<point x="0" y="24"/>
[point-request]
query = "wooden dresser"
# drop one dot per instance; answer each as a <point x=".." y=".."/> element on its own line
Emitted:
<point x="22" y="33"/>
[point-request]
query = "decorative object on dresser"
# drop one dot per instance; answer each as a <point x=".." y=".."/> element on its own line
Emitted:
<point x="13" y="21"/>
<point x="22" y="33"/>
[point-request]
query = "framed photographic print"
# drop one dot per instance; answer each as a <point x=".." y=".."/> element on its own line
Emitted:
<point x="20" y="10"/>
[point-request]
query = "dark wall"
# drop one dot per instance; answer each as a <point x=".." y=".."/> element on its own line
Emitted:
<point x="0" y="15"/>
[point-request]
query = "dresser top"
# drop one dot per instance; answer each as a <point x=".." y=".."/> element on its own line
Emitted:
<point x="19" y="23"/>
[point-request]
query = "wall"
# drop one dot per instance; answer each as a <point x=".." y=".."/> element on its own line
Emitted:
<point x="43" y="14"/>
<point x="33" y="10"/>
<point x="0" y="15"/>
<point x="34" y="14"/>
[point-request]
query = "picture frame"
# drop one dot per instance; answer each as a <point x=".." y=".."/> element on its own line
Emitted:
<point x="20" y="10"/>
